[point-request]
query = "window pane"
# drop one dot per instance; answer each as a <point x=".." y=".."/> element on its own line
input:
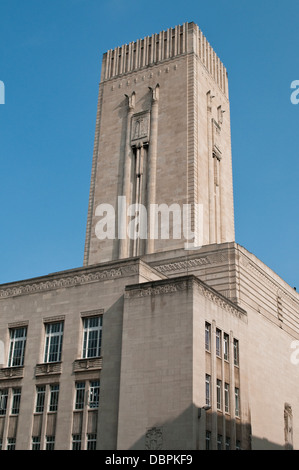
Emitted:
<point x="16" y="399"/>
<point x="53" y="342"/>
<point x="237" y="402"/>
<point x="94" y="394"/>
<point x="76" y="442"/>
<point x="226" y="346"/>
<point x="208" y="440"/>
<point x="11" y="443"/>
<point x="17" y="347"/>
<point x="92" y="337"/>
<point x="91" y="441"/>
<point x="3" y="401"/>
<point x="36" y="443"/>
<point x="80" y="395"/>
<point x="40" y="399"/>
<point x="226" y="397"/>
<point x="236" y="352"/>
<point x="50" y="442"/>
<point x="208" y="337"/>
<point x="219" y="393"/>
<point x="208" y="390"/>
<point x="218" y="343"/>
<point x="54" y="395"/>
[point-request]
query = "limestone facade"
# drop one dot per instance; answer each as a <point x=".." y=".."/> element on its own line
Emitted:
<point x="150" y="345"/>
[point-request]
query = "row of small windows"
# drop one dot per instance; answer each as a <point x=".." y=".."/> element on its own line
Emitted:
<point x="220" y="442"/>
<point x="50" y="442"/>
<point x="221" y="344"/>
<point x="36" y="442"/>
<point x="87" y="394"/>
<point x="92" y="339"/>
<point x="219" y="395"/>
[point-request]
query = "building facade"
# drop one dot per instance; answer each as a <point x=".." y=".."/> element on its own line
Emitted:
<point x="180" y="341"/>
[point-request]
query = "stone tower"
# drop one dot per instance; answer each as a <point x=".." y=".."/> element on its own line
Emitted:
<point x="162" y="137"/>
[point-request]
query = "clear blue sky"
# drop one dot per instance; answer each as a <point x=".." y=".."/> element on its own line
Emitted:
<point x="50" y="60"/>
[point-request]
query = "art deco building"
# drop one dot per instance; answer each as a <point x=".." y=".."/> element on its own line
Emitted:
<point x="154" y="343"/>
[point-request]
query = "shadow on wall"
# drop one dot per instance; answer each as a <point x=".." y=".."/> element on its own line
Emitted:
<point x="210" y="431"/>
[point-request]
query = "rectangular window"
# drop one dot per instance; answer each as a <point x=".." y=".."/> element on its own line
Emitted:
<point x="91" y="441"/>
<point x="11" y="443"/>
<point x="3" y="401"/>
<point x="226" y="397"/>
<point x="237" y="402"/>
<point x="208" y="440"/>
<point x="0" y="443"/>
<point x="236" y="352"/>
<point x="218" y="342"/>
<point x="17" y="347"/>
<point x="226" y="346"/>
<point x="208" y="337"/>
<point x="54" y="396"/>
<point x="219" y="393"/>
<point x="92" y="337"/>
<point x="94" y="394"/>
<point x="76" y="442"/>
<point x="80" y="395"/>
<point x="238" y="445"/>
<point x="50" y="442"/>
<point x="227" y="443"/>
<point x="36" y="443"/>
<point x="53" y="344"/>
<point x="16" y="400"/>
<point x="219" y="442"/>
<point x="40" y="399"/>
<point x="208" y="390"/>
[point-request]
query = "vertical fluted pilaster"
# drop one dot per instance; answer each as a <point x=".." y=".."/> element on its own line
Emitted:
<point x="152" y="168"/>
<point x="122" y="214"/>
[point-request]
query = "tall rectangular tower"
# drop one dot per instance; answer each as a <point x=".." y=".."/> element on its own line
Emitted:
<point x="162" y="143"/>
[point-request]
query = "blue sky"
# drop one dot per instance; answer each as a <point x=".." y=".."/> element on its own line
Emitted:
<point x="50" y="61"/>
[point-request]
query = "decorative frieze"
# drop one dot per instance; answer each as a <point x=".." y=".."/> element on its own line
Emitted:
<point x="145" y="291"/>
<point x="101" y="274"/>
<point x="191" y="263"/>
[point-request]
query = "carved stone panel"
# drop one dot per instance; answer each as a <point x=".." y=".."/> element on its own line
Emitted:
<point x="288" y="426"/>
<point x="154" y="439"/>
<point x="140" y="129"/>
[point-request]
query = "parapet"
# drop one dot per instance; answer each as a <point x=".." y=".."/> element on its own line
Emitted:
<point x="161" y="47"/>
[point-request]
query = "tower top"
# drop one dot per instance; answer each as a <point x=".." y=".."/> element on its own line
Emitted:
<point x="161" y="47"/>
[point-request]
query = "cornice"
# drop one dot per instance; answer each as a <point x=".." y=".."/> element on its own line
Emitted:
<point x="181" y="284"/>
<point x="69" y="279"/>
